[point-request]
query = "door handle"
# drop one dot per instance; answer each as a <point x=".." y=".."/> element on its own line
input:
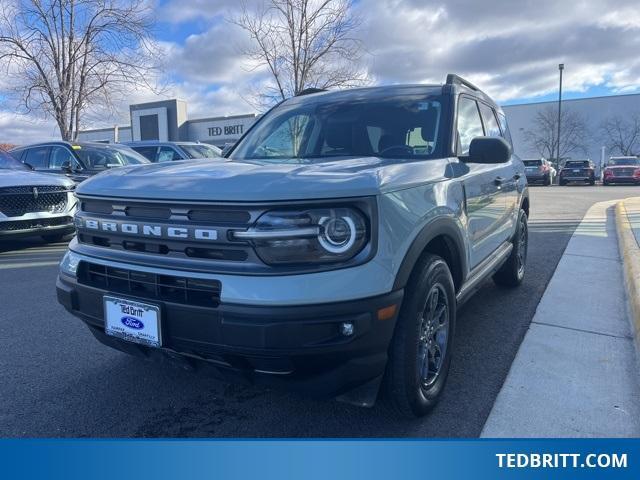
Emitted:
<point x="517" y="176"/>
<point x="499" y="180"/>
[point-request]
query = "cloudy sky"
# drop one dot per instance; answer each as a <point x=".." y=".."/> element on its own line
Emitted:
<point x="510" y="48"/>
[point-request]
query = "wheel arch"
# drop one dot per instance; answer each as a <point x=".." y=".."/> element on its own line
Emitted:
<point x="441" y="237"/>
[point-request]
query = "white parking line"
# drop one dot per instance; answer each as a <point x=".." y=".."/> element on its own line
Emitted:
<point x="575" y="374"/>
<point x="8" y="266"/>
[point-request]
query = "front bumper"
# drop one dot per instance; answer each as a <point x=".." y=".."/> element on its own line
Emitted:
<point x="17" y="228"/>
<point x="296" y="347"/>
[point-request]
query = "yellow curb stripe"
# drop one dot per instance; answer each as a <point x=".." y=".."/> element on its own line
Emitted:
<point x="630" y="254"/>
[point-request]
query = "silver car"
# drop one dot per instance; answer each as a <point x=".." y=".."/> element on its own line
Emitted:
<point x="33" y="203"/>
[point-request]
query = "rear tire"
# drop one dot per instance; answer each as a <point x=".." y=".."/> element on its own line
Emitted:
<point x="592" y="182"/>
<point x="547" y="181"/>
<point x="420" y="351"/>
<point x="512" y="272"/>
<point x="563" y="183"/>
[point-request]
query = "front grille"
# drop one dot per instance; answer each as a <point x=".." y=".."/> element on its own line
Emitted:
<point x="168" y="288"/>
<point x="624" y="172"/>
<point x="221" y="218"/>
<point x="18" y="201"/>
<point x="16" y="225"/>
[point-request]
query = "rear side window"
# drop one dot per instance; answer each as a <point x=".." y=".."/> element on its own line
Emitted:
<point x="491" y="127"/>
<point x="37" y="157"/>
<point x="469" y="124"/>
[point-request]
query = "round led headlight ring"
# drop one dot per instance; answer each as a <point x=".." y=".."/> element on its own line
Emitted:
<point x="338" y="234"/>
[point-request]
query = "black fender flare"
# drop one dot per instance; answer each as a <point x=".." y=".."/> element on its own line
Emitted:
<point x="442" y="226"/>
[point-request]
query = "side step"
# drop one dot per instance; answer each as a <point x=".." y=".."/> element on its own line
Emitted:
<point x="487" y="268"/>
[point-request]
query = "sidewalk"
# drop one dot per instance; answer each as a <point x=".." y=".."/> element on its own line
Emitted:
<point x="576" y="372"/>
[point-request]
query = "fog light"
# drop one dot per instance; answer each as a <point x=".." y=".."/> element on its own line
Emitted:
<point x="347" y="329"/>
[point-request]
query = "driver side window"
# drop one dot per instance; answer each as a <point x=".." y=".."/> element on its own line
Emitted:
<point x="59" y="156"/>
<point x="469" y="124"/>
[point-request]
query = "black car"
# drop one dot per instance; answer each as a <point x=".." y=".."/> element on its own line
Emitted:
<point x="581" y="171"/>
<point x="77" y="160"/>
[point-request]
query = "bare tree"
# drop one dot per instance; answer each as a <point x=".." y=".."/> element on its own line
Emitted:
<point x="67" y="56"/>
<point x="303" y="44"/>
<point x="622" y="135"/>
<point x="543" y="136"/>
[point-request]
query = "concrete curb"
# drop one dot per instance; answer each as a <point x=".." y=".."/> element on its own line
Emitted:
<point x="630" y="255"/>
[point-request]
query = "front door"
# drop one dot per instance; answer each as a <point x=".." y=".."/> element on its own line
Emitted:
<point x="483" y="185"/>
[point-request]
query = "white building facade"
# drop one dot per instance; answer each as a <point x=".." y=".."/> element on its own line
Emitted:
<point x="593" y="110"/>
<point x="167" y="120"/>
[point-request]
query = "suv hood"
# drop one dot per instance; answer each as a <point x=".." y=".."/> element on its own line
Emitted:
<point x="17" y="178"/>
<point x="224" y="180"/>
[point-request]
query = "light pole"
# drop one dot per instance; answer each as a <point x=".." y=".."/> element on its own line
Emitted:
<point x="561" y="68"/>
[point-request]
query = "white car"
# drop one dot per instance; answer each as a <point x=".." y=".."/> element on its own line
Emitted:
<point x="33" y="203"/>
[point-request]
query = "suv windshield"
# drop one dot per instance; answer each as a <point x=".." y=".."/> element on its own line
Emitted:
<point x="532" y="163"/>
<point x="199" y="151"/>
<point x="404" y="126"/>
<point x="623" y="161"/>
<point x="10" y="163"/>
<point x="108" y="156"/>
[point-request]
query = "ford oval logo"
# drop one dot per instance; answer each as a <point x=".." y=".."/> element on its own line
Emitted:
<point x="132" y="323"/>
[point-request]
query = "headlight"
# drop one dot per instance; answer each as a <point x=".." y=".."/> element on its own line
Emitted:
<point x="322" y="235"/>
<point x="69" y="263"/>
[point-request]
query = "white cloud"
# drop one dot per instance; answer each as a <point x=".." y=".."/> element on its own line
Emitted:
<point x="509" y="48"/>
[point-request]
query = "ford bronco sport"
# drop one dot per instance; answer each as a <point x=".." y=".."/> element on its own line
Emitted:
<point x="328" y="252"/>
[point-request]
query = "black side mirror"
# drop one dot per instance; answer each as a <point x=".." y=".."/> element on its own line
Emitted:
<point x="66" y="167"/>
<point x="489" y="150"/>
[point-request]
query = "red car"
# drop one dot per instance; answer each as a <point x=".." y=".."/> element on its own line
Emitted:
<point x="622" y="170"/>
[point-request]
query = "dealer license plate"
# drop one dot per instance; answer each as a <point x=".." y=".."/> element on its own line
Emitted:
<point x="132" y="321"/>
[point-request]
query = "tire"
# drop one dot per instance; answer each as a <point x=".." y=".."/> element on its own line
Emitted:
<point x="547" y="181"/>
<point x="563" y="183"/>
<point x="512" y="272"/>
<point x="53" y="238"/>
<point x="605" y="183"/>
<point x="422" y="339"/>
<point x="592" y="182"/>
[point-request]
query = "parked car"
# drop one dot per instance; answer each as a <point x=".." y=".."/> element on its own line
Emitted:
<point x="539" y="170"/>
<point x="32" y="203"/>
<point x="622" y="170"/>
<point x="76" y="160"/>
<point x="328" y="253"/>
<point x="158" y="152"/>
<point x="580" y="171"/>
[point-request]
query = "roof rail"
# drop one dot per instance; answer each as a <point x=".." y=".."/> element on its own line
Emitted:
<point x="453" y="79"/>
<point x="309" y="91"/>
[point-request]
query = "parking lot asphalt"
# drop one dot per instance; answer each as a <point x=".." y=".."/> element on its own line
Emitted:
<point x="56" y="380"/>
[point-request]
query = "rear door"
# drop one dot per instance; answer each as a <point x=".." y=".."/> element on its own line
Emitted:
<point x="483" y="184"/>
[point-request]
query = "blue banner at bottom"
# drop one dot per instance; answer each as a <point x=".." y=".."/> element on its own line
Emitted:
<point x="319" y="459"/>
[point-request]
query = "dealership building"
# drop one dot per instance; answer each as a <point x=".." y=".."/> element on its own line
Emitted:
<point x="168" y="121"/>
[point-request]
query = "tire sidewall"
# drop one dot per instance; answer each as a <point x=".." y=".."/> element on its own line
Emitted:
<point x="433" y="273"/>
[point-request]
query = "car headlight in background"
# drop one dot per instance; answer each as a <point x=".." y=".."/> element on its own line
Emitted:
<point x="69" y="263"/>
<point x="315" y="235"/>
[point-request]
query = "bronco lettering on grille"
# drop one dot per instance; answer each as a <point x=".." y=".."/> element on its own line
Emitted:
<point x="146" y="230"/>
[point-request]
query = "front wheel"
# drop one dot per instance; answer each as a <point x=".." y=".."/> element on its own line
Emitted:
<point x="512" y="272"/>
<point x="420" y="352"/>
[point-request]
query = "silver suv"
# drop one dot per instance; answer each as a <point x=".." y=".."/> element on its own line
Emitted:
<point x="327" y="253"/>
<point x="34" y="203"/>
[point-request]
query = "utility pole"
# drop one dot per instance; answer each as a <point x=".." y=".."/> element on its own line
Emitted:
<point x="561" y="68"/>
